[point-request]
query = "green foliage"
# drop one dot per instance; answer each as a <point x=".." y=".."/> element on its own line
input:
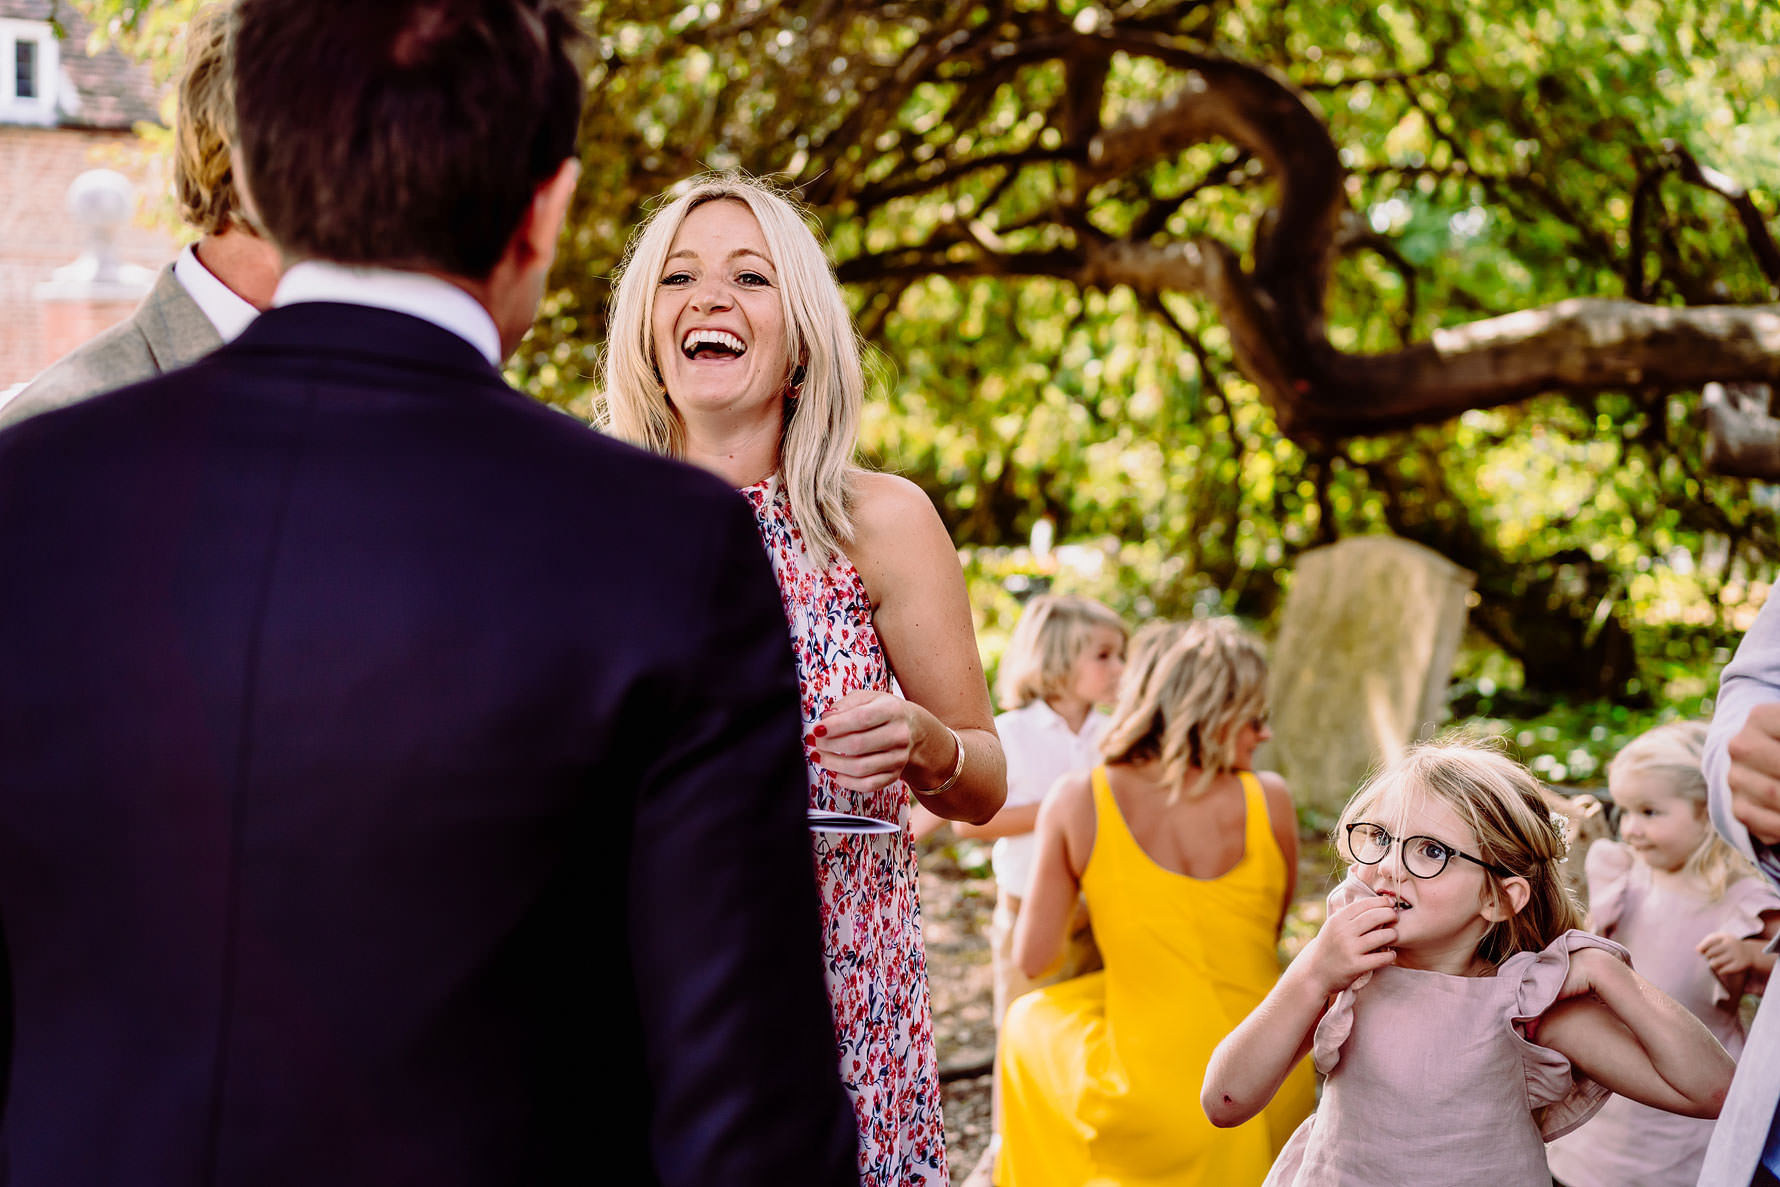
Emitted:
<point x="1571" y="744"/>
<point x="1497" y="149"/>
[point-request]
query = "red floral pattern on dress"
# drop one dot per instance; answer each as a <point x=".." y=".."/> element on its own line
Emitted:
<point x="871" y="908"/>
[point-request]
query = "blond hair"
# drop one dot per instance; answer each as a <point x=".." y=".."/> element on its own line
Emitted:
<point x="1188" y="690"/>
<point x="1500" y="801"/>
<point x="203" y="171"/>
<point x="817" y="443"/>
<point x="1053" y="632"/>
<point x="1674" y="752"/>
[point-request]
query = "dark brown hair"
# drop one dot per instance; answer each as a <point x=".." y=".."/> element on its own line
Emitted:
<point x="402" y="133"/>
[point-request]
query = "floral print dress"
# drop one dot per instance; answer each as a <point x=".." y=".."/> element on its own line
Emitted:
<point x="871" y="911"/>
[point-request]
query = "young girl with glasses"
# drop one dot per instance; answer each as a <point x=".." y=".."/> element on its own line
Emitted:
<point x="1459" y="1018"/>
<point x="1696" y="917"/>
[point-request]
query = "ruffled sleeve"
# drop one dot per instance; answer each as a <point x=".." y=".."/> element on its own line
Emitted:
<point x="1338" y="1020"/>
<point x="1560" y="1097"/>
<point x="1744" y="902"/>
<point x="1609" y="869"/>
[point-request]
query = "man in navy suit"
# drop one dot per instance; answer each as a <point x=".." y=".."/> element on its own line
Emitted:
<point x="351" y="704"/>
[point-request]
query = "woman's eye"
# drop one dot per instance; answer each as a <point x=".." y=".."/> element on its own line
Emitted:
<point x="676" y="278"/>
<point x="751" y="279"/>
<point x="1434" y="850"/>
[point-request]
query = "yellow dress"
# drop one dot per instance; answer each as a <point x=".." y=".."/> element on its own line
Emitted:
<point x="1100" y="1076"/>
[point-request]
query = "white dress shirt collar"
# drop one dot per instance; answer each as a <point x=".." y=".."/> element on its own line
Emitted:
<point x="414" y="293"/>
<point x="227" y="311"/>
<point x="1048" y="718"/>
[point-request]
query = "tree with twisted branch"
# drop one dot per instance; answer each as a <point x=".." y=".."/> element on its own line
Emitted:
<point x="1354" y="266"/>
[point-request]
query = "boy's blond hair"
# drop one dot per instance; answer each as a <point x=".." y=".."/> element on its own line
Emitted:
<point x="1051" y="635"/>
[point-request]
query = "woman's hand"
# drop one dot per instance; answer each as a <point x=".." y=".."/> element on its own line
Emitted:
<point x="1726" y="955"/>
<point x="1354" y="941"/>
<point x="866" y="739"/>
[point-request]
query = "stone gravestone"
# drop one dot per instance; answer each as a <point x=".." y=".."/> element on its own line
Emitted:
<point x="1360" y="667"/>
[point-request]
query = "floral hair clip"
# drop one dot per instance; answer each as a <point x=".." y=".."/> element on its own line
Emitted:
<point x="1560" y="826"/>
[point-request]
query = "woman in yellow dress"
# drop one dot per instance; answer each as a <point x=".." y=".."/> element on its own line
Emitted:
<point x="1187" y="860"/>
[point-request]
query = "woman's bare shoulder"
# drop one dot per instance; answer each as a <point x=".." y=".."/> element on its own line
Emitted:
<point x="1068" y="813"/>
<point x="897" y="534"/>
<point x="1275" y="786"/>
<point x="887" y="502"/>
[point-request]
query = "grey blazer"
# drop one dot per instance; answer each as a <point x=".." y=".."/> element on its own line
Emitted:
<point x="167" y="331"/>
<point x="1750" y="679"/>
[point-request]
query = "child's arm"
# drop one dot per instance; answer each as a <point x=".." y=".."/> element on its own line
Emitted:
<point x="924" y="822"/>
<point x="1637" y="1040"/>
<point x="1254" y="1059"/>
<point x="1012" y="821"/>
<point x="1742" y="965"/>
<point x="1066" y="815"/>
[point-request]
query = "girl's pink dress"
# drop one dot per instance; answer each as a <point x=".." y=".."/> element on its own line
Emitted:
<point x="871" y="911"/>
<point x="1628" y="1144"/>
<point x="1429" y="1081"/>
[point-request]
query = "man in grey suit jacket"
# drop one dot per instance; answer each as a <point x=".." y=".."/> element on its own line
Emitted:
<point x="210" y="293"/>
<point x="1742" y="767"/>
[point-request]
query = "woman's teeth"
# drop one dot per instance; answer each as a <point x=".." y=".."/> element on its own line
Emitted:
<point x="714" y="342"/>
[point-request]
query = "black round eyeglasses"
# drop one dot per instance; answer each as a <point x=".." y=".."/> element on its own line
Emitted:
<point x="1423" y="857"/>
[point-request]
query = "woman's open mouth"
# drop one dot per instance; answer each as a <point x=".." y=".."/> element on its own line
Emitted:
<point x="712" y="345"/>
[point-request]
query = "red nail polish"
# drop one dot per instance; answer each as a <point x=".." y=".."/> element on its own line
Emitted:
<point x="821" y="731"/>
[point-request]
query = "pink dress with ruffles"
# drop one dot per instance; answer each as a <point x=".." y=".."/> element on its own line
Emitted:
<point x="871" y="911"/>
<point x="1628" y="1144"/>
<point x="1429" y="1081"/>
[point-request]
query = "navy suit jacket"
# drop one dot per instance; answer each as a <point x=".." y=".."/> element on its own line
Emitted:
<point x="399" y="784"/>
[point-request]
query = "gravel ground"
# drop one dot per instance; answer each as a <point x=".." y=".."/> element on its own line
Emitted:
<point x="956" y="901"/>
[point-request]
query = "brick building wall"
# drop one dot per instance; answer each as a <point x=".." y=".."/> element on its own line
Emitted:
<point x="37" y="236"/>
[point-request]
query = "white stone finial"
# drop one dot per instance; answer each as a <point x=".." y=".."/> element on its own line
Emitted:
<point x="102" y="198"/>
<point x="103" y="201"/>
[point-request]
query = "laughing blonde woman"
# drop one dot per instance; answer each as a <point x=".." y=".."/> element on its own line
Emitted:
<point x="731" y="347"/>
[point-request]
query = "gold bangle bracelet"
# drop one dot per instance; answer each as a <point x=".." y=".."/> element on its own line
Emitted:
<point x="957" y="768"/>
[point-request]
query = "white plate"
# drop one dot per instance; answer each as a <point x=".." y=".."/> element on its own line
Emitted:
<point x="846" y="822"/>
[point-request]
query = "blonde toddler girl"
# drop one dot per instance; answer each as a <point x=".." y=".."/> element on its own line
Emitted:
<point x="1695" y="916"/>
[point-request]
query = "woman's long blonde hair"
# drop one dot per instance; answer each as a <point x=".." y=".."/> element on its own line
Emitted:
<point x="1499" y="800"/>
<point x="1188" y="689"/>
<point x="817" y="443"/>
<point x="1675" y="752"/>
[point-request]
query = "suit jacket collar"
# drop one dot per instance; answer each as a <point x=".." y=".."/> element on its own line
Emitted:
<point x="327" y="330"/>
<point x="176" y="330"/>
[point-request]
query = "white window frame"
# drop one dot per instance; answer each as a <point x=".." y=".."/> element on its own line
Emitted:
<point x="42" y="108"/>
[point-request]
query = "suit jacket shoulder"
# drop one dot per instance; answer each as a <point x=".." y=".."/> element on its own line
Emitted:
<point x="167" y="331"/>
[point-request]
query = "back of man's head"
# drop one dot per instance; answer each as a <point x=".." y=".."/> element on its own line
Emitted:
<point x="402" y="133"/>
<point x="202" y="174"/>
